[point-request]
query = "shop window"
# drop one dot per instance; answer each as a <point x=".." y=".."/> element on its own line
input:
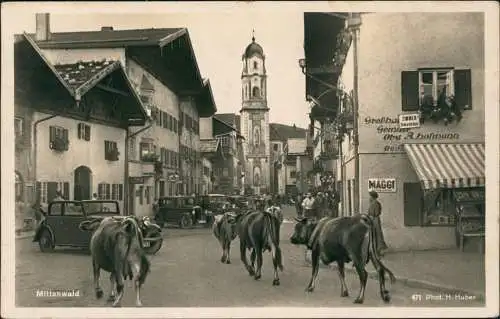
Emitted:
<point x="438" y="94"/>
<point x="83" y="132"/>
<point x="434" y="207"/>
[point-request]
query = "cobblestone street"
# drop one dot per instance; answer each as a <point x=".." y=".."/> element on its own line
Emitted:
<point x="187" y="272"/>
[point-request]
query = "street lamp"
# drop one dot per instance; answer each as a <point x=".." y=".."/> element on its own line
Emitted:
<point x="302" y="64"/>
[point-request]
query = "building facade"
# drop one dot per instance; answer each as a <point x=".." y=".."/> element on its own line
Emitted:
<point x="255" y="119"/>
<point x="421" y="130"/>
<point x="163" y="157"/>
<point x="70" y="134"/>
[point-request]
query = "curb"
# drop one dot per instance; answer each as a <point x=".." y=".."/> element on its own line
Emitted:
<point x="418" y="283"/>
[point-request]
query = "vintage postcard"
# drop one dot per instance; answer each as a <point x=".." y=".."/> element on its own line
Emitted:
<point x="250" y="159"/>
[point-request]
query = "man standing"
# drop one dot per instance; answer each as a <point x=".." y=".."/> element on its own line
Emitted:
<point x="298" y="204"/>
<point x="308" y="205"/>
<point x="374" y="210"/>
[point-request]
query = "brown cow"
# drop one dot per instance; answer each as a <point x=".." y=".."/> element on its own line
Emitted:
<point x="224" y="229"/>
<point x="117" y="247"/>
<point x="343" y="240"/>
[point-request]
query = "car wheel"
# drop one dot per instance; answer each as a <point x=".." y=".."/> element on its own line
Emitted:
<point x="186" y="222"/>
<point x="45" y="242"/>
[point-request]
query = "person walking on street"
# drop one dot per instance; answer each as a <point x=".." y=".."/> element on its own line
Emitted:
<point x="298" y="205"/>
<point x="375" y="210"/>
<point x="308" y="206"/>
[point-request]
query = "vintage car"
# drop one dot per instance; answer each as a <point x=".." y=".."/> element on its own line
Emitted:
<point x="60" y="225"/>
<point x="241" y="202"/>
<point x="183" y="211"/>
<point x="215" y="204"/>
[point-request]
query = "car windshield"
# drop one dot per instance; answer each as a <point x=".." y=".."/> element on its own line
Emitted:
<point x="99" y="208"/>
<point x="218" y="199"/>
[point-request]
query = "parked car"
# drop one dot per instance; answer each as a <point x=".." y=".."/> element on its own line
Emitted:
<point x="59" y="226"/>
<point x="183" y="211"/>
<point x="215" y="204"/>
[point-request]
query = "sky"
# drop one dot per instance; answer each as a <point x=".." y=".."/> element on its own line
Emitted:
<point x="219" y="38"/>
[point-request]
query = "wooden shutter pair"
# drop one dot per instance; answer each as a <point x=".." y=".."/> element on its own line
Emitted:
<point x="84" y="131"/>
<point x="410" y="100"/>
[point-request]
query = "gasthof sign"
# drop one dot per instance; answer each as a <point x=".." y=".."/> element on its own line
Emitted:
<point x="382" y="185"/>
<point x="409" y="120"/>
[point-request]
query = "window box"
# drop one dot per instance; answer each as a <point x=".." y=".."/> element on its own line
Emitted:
<point x="439" y="94"/>
<point x="113" y="155"/>
<point x="59" y="144"/>
<point x="149" y="157"/>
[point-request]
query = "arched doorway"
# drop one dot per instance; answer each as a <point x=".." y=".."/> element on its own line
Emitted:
<point x="83" y="176"/>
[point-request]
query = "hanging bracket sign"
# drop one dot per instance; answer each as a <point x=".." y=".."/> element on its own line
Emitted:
<point x="382" y="185"/>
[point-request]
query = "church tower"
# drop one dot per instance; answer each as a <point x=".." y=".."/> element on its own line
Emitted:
<point x="255" y="118"/>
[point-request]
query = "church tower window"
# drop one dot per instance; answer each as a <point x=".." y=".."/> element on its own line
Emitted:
<point x="255" y="92"/>
<point x="255" y="65"/>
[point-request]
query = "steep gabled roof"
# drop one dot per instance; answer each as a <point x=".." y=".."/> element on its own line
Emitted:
<point x="111" y="38"/>
<point x="231" y="119"/>
<point x="79" y="78"/>
<point x="282" y="132"/>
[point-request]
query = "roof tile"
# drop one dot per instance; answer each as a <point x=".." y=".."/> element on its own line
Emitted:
<point x="79" y="73"/>
<point x="282" y="132"/>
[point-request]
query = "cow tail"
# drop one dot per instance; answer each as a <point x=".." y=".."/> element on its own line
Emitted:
<point x="274" y="237"/>
<point x="373" y="255"/>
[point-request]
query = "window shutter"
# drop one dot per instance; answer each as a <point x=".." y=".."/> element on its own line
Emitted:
<point x="51" y="191"/>
<point x="66" y="190"/>
<point x="409" y="91"/>
<point x="108" y="191"/>
<point x="120" y="191"/>
<point x="80" y="130"/>
<point x="65" y="138"/>
<point x="100" y="190"/>
<point x="52" y="134"/>
<point x="87" y="132"/>
<point x="463" y="89"/>
<point x="412" y="204"/>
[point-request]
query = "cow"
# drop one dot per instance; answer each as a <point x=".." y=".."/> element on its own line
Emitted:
<point x="260" y="231"/>
<point x="116" y="246"/>
<point x="342" y="239"/>
<point x="225" y="229"/>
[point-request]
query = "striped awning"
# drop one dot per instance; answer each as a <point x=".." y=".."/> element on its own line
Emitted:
<point x="448" y="165"/>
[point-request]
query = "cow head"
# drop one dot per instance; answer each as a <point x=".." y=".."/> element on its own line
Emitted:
<point x="232" y="218"/>
<point x="302" y="231"/>
<point x="133" y="229"/>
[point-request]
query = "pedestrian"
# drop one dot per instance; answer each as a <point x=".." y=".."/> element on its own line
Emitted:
<point x="94" y="196"/>
<point x="308" y="206"/>
<point x="375" y="210"/>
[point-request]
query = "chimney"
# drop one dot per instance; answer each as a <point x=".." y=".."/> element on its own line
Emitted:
<point x="42" y="27"/>
<point x="106" y="28"/>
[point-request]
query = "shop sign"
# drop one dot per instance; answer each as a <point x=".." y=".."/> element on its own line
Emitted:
<point x="410" y="120"/>
<point x="136" y="180"/>
<point x="382" y="185"/>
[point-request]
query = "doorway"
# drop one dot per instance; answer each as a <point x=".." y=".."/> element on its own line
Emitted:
<point x="83" y="182"/>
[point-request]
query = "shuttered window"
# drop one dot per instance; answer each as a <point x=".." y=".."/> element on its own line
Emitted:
<point x="83" y="131"/>
<point x="409" y="91"/>
<point x="162" y="188"/>
<point x="56" y="132"/>
<point x="165" y="120"/>
<point x="109" y="147"/>
<point x="413" y="204"/>
<point x="428" y="83"/>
